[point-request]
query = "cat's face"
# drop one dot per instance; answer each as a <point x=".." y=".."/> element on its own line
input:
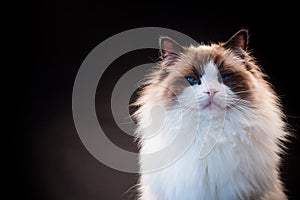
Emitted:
<point x="209" y="78"/>
<point x="206" y="78"/>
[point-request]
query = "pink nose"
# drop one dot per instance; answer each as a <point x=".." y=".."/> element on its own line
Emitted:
<point x="211" y="92"/>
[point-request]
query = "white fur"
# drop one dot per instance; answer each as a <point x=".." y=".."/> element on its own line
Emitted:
<point x="232" y="154"/>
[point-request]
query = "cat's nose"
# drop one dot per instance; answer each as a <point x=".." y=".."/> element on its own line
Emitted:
<point x="211" y="92"/>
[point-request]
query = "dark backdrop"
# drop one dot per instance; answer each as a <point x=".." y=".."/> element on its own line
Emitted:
<point x="52" y="163"/>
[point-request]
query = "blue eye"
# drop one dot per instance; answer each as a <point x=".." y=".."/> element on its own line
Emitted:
<point x="192" y="80"/>
<point x="226" y="76"/>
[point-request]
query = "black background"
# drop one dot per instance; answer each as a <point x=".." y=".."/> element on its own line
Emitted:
<point x="51" y="161"/>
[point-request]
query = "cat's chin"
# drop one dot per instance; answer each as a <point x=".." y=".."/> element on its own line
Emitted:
<point x="209" y="111"/>
<point x="208" y="107"/>
<point x="212" y="106"/>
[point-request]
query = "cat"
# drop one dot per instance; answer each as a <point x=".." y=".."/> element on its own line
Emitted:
<point x="212" y="123"/>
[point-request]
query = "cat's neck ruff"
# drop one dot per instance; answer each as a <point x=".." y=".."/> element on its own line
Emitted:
<point x="219" y="159"/>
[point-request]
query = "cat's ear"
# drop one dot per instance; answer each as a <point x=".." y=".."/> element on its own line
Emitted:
<point x="238" y="43"/>
<point x="169" y="49"/>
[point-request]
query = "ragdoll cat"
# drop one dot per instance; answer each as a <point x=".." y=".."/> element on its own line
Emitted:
<point x="212" y="124"/>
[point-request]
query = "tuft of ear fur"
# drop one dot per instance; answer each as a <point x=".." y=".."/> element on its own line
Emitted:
<point x="169" y="49"/>
<point x="238" y="43"/>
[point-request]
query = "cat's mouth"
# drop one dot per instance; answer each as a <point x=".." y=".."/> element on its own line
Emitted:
<point x="212" y="105"/>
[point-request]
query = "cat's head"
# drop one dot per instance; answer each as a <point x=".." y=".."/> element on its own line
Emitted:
<point x="205" y="78"/>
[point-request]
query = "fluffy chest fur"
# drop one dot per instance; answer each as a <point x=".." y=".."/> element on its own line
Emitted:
<point x="224" y="161"/>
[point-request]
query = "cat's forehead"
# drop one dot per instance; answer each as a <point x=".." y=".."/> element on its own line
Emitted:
<point x="202" y="48"/>
<point x="210" y="59"/>
<point x="210" y="71"/>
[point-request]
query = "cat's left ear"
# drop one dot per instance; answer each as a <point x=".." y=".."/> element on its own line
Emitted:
<point x="238" y="43"/>
<point x="170" y="50"/>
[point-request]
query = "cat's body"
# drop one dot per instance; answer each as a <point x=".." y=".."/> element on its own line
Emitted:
<point x="222" y="120"/>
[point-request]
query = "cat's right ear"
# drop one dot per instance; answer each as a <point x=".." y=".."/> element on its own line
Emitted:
<point x="238" y="43"/>
<point x="169" y="49"/>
